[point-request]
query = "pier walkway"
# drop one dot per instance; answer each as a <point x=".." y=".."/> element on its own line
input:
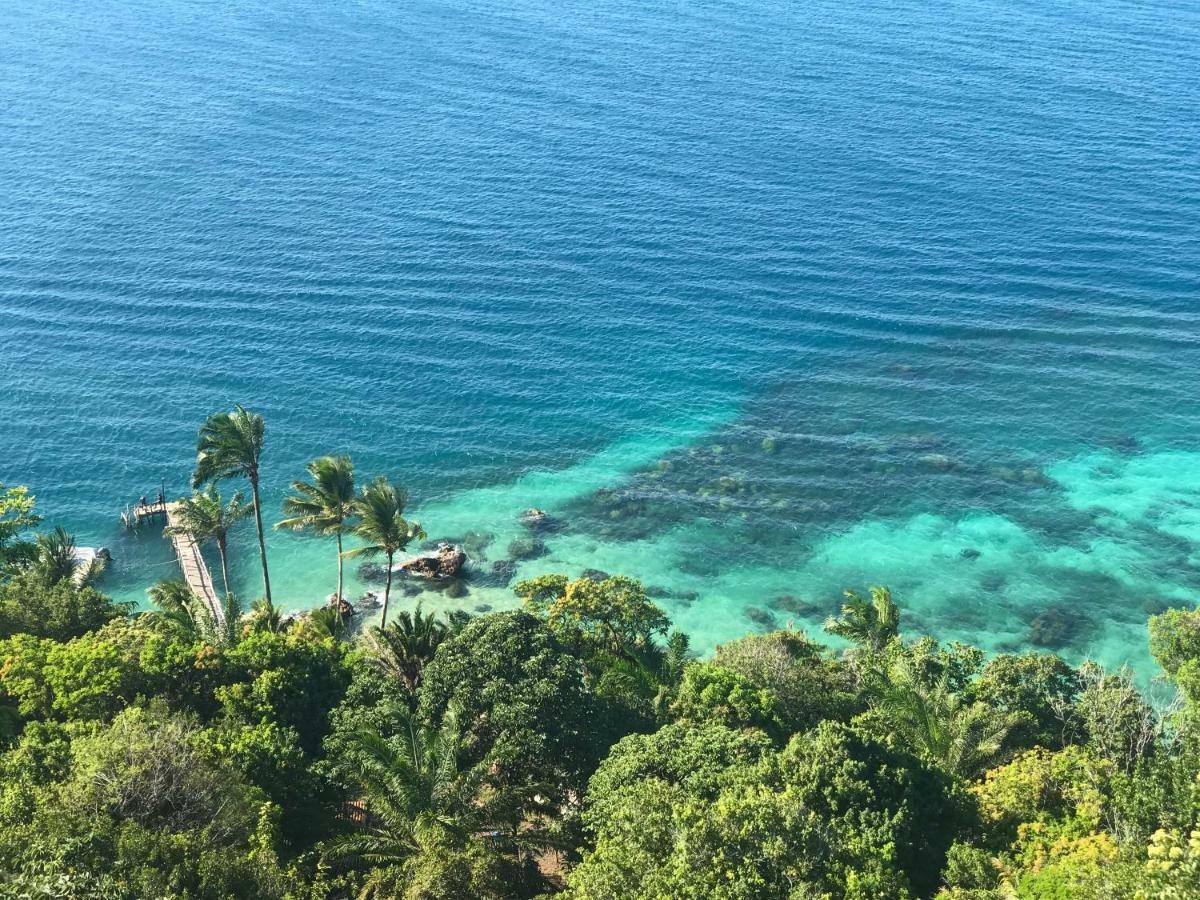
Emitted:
<point x="195" y="570"/>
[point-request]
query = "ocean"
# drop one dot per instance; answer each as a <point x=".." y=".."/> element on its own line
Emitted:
<point x="761" y="301"/>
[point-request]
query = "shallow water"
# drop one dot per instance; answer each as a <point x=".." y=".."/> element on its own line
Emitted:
<point x="761" y="301"/>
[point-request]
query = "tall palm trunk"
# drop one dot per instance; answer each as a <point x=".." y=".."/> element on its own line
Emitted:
<point x="262" y="544"/>
<point x="221" y="538"/>
<point x="387" y="590"/>
<point x="339" y="540"/>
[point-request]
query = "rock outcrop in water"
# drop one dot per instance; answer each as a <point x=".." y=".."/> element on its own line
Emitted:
<point x="444" y="563"/>
<point x="537" y="520"/>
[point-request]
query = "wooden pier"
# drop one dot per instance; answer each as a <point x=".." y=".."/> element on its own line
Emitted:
<point x="133" y="516"/>
<point x="192" y="564"/>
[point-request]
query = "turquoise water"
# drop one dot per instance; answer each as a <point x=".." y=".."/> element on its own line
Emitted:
<point x="760" y="300"/>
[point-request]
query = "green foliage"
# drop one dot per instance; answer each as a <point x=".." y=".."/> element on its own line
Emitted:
<point x="834" y="814"/>
<point x="16" y="517"/>
<point x="1041" y="686"/>
<point x="383" y="528"/>
<point x="682" y="759"/>
<point x="871" y="625"/>
<point x="612" y="616"/>
<point x="160" y="756"/>
<point x="404" y="648"/>
<point x="94" y="676"/>
<point x="140" y="809"/>
<point x="520" y="700"/>
<point x="1114" y="718"/>
<point x="808" y="684"/>
<point x="230" y="445"/>
<point x="326" y="505"/>
<point x="961" y="736"/>
<point x="289" y="680"/>
<point x="206" y="517"/>
<point x="57" y="609"/>
<point x="712" y="693"/>
<point x="425" y="817"/>
<point x="1175" y="645"/>
<point x="538" y="593"/>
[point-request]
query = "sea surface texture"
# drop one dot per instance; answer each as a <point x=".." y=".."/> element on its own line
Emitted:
<point x="761" y="301"/>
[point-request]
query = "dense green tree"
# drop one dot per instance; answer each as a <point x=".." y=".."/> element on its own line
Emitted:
<point x="291" y="680"/>
<point x="325" y="506"/>
<point x="834" y="814"/>
<point x="59" y="610"/>
<point x="713" y="694"/>
<point x="16" y="517"/>
<point x="379" y="508"/>
<point x="230" y="445"/>
<point x="94" y="676"/>
<point x="685" y="759"/>
<point x="808" y="684"/>
<point x="206" y="517"/>
<point x="612" y="615"/>
<point x="1041" y="686"/>
<point x="521" y="702"/>
<point x="140" y="809"/>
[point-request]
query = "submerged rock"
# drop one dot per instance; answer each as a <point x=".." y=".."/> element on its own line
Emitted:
<point x="455" y="589"/>
<point x="970" y="553"/>
<point x="445" y="563"/>
<point x="483" y="607"/>
<point x="1057" y="627"/>
<point x="939" y="462"/>
<point x="527" y="548"/>
<point x="475" y="542"/>
<point x="537" y="520"/>
<point x="370" y="571"/>
<point x="504" y="569"/>
<point x="993" y="581"/>
<point x="369" y="600"/>
<point x="760" y="617"/>
<point x="789" y="603"/>
<point x="1035" y="476"/>
<point x="594" y="574"/>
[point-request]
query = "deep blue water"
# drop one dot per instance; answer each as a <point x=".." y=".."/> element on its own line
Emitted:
<point x="763" y="300"/>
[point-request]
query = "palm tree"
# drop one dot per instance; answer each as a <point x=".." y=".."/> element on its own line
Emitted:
<point x="325" y="622"/>
<point x="962" y="737"/>
<point x="266" y="616"/>
<point x="175" y="604"/>
<point x="417" y="802"/>
<point x="404" y="648"/>
<point x="230" y="445"/>
<point x="325" y="506"/>
<point x="54" y="560"/>
<point x="871" y="625"/>
<point x="380" y="508"/>
<point x="203" y="517"/>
